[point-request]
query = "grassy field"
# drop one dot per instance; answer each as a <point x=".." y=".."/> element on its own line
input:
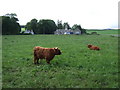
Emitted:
<point x="77" y="67"/>
<point x="0" y="61"/>
<point x="114" y="31"/>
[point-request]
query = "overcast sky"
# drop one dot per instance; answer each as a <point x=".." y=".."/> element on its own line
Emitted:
<point x="90" y="14"/>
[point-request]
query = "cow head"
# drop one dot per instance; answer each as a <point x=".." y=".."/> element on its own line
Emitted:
<point x="57" y="51"/>
<point x="89" y="45"/>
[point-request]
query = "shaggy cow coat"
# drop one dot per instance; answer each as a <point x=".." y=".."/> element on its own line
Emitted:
<point x="45" y="53"/>
<point x="92" y="47"/>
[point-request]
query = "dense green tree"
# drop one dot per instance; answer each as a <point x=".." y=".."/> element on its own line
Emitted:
<point x="75" y="26"/>
<point x="28" y="26"/>
<point x="10" y="26"/>
<point x="83" y="31"/>
<point x="46" y="26"/>
<point x="32" y="25"/>
<point x="66" y="25"/>
<point x="11" y="15"/>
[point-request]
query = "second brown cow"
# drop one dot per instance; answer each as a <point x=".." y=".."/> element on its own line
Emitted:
<point x="45" y="53"/>
<point x="92" y="47"/>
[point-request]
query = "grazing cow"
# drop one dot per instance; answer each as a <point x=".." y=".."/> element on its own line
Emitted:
<point x="45" y="53"/>
<point x="92" y="47"/>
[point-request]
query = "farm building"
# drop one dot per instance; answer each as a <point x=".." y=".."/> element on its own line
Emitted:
<point x="23" y="30"/>
<point x="29" y="31"/>
<point x="67" y="32"/>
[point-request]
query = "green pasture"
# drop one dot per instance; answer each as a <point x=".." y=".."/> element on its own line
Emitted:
<point x="112" y="32"/>
<point x="77" y="67"/>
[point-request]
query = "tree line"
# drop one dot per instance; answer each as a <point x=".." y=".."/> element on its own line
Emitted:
<point x="10" y="25"/>
<point x="47" y="26"/>
<point x="44" y="26"/>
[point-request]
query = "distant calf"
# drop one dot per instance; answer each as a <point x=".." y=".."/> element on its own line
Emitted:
<point x="45" y="53"/>
<point x="92" y="47"/>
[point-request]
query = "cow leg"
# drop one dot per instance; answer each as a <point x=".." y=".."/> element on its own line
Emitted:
<point x="36" y="60"/>
<point x="48" y="61"/>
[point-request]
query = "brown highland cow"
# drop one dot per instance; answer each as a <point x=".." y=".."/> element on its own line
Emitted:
<point x="45" y="53"/>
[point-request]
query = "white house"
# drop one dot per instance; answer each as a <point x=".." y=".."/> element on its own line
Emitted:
<point x="67" y="32"/>
<point x="77" y="32"/>
<point x="29" y="31"/>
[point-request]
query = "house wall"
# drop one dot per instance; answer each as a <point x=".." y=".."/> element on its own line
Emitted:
<point x="63" y="31"/>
